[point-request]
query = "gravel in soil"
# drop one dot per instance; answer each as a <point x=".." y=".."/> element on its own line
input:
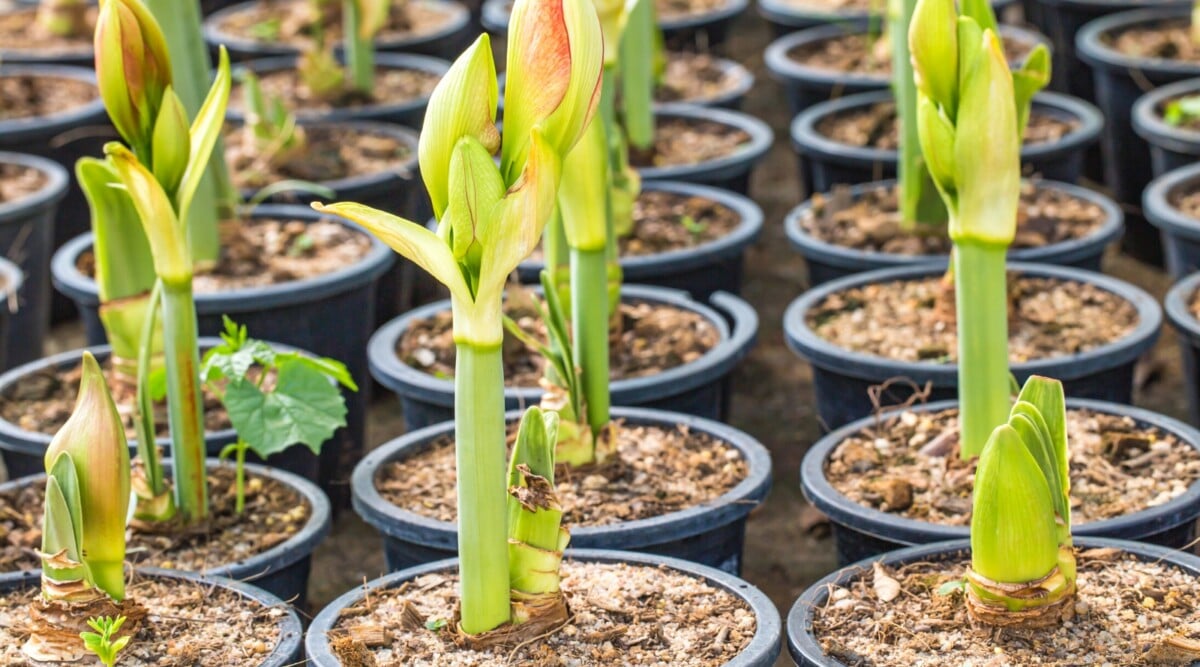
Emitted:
<point x="392" y="86"/>
<point x="18" y="182"/>
<point x="914" y="320"/>
<point x="695" y="77"/>
<point x="1166" y="40"/>
<point x="650" y="339"/>
<point x="864" y="54"/>
<point x="274" y="513"/>
<point x="186" y="624"/>
<point x="687" y="141"/>
<point x="876" y="127"/>
<point x="332" y="152"/>
<point x="1125" y="612"/>
<point x="25" y="96"/>
<point x="871" y="223"/>
<point x="20" y="33"/>
<point x="652" y="471"/>
<point x="666" y="221"/>
<point x="297" y="23"/>
<point x="909" y="464"/>
<point x="619" y="614"/>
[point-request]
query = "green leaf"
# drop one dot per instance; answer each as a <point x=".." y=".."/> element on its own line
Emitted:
<point x="953" y="586"/>
<point x="205" y="131"/>
<point x="304" y="408"/>
<point x="124" y="266"/>
<point x="331" y="368"/>
<point x="170" y="143"/>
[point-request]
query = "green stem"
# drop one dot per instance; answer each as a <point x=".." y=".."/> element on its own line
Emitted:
<point x="981" y="293"/>
<point x="618" y="167"/>
<point x="240" y="476"/>
<point x="184" y="407"/>
<point x="479" y="434"/>
<point x="146" y="445"/>
<point x="360" y="53"/>
<point x="919" y="200"/>
<point x="557" y="257"/>
<point x="637" y="74"/>
<point x="589" y="288"/>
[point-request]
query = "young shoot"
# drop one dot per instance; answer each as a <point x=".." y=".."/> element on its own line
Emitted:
<point x="1022" y="557"/>
<point x="271" y="128"/>
<point x="319" y="69"/>
<point x="105" y="643"/>
<point x="489" y="219"/>
<point x="274" y="399"/>
<point x="1183" y="111"/>
<point x="63" y="18"/>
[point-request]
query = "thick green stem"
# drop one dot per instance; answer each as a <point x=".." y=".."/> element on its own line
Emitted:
<point x="637" y="74"/>
<point x="981" y="294"/>
<point x="184" y="406"/>
<point x="360" y="53"/>
<point x="146" y="445"/>
<point x="589" y="289"/>
<point x="479" y="434"/>
<point x="919" y="200"/>
<point x="216" y="197"/>
<point x="240" y="479"/>
<point x="557" y="257"/>
<point x="618" y="187"/>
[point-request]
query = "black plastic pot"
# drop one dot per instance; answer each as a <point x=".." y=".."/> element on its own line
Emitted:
<point x="806" y="649"/>
<point x="27" y="238"/>
<point x="715" y="266"/>
<point x="410" y="113"/>
<point x="842" y="378"/>
<point x="63" y="138"/>
<point x="1170" y="147"/>
<point x="864" y="532"/>
<point x="290" y="647"/>
<point x="10" y="283"/>
<point x="445" y="42"/>
<point x="828" y="162"/>
<point x="762" y="651"/>
<point x="826" y="261"/>
<point x="806" y="85"/>
<point x="787" y="16"/>
<point x="700" y="388"/>
<point x="1188" y="329"/>
<point x="330" y="315"/>
<point x="1119" y="81"/>
<point x="1180" y="232"/>
<point x="712" y="534"/>
<point x="731" y="172"/>
<point x="698" y="32"/>
<point x="282" y="570"/>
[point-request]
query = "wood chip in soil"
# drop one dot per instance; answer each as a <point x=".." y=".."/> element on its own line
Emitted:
<point x="876" y="127"/>
<point x="392" y="86"/>
<point x="188" y="624"/>
<point x="685" y="141"/>
<point x="295" y="23"/>
<point x="653" y="471"/>
<point x="666" y="221"/>
<point x="19" y="33"/>
<point x="909" y="464"/>
<point x="1165" y="40"/>
<point x="691" y="77"/>
<point x="42" y="402"/>
<point x="621" y="614"/>
<point x="18" y="182"/>
<point x="333" y="152"/>
<point x="863" y="54"/>
<point x="1125" y="612"/>
<point x="913" y="320"/>
<point x="24" y="96"/>
<point x="871" y="223"/>
<point x="274" y="513"/>
<point x="652" y="338"/>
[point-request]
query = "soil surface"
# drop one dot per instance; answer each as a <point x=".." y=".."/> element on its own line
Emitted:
<point x="274" y="513"/>
<point x="1167" y="40"/>
<point x="865" y="54"/>
<point x="332" y="152"/>
<point x="909" y="464"/>
<point x="684" y="141"/>
<point x="913" y="320"/>
<point x="877" y="127"/>
<point x="23" y="96"/>
<point x="18" y="182"/>
<point x="619" y="614"/>
<point x="651" y="339"/>
<point x="652" y="471"/>
<point x="186" y="624"/>
<point x="695" y="77"/>
<point x="392" y="86"/>
<point x="19" y="32"/>
<point x="872" y="223"/>
<point x="665" y="221"/>
<point x="1187" y="202"/>
<point x="294" y="22"/>
<point x="676" y="9"/>
<point x="1125" y="612"/>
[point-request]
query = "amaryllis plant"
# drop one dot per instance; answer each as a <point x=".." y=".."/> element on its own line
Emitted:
<point x="490" y="217"/>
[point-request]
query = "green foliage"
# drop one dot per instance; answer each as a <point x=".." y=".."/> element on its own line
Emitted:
<point x="104" y="642"/>
<point x="1182" y="111"/>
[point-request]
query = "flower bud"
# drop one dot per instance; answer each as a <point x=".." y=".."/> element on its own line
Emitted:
<point x="933" y="43"/>
<point x="133" y="69"/>
<point x="171" y="146"/>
